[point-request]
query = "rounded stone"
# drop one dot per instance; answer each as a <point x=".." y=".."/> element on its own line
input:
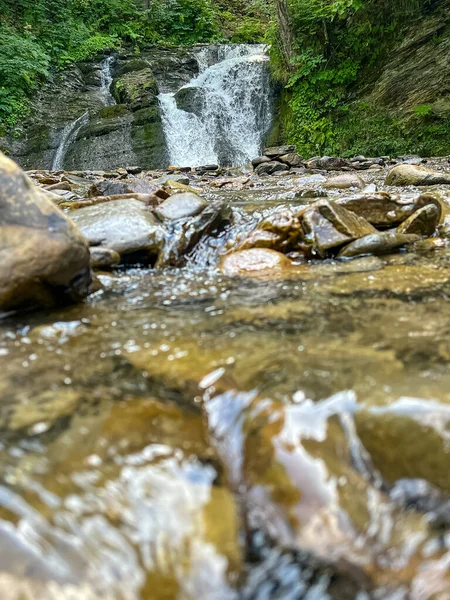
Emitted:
<point x="254" y="262"/>
<point x="181" y="206"/>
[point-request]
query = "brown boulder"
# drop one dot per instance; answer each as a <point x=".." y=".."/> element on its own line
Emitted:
<point x="44" y="260"/>
<point x="327" y="225"/>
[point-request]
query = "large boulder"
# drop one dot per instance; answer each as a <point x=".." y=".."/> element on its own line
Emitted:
<point x="44" y="259"/>
<point x="126" y="226"/>
<point x="403" y="175"/>
<point x="191" y="99"/>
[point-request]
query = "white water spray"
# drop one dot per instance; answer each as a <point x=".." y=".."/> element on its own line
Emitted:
<point x="70" y="131"/>
<point x="228" y="108"/>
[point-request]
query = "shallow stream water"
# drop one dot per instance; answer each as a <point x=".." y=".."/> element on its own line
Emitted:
<point x="187" y="435"/>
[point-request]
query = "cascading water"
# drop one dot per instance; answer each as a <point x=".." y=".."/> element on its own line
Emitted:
<point x="68" y="135"/>
<point x="70" y="131"/>
<point x="221" y="116"/>
<point x="106" y="81"/>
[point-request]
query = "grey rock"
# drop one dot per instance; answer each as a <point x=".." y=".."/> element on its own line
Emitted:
<point x="269" y="168"/>
<point x="181" y="206"/>
<point x="103" y="258"/>
<point x="126" y="226"/>
<point x="276" y="151"/>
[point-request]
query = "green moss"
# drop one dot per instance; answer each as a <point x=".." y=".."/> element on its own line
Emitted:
<point x="112" y="112"/>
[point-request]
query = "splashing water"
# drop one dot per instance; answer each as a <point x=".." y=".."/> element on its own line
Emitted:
<point x="228" y="108"/>
<point x="70" y="132"/>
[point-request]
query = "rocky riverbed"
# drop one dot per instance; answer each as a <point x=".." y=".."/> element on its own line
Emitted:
<point x="252" y="402"/>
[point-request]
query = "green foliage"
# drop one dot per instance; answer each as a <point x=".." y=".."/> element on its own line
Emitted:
<point x="334" y="43"/>
<point x="423" y="110"/>
<point x="37" y="36"/>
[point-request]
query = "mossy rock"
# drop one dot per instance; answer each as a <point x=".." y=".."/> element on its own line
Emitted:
<point x="112" y="112"/>
<point x="136" y="89"/>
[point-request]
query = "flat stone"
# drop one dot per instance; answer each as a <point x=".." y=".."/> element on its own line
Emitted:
<point x="254" y="262"/>
<point x="44" y="260"/>
<point x="126" y="226"/>
<point x="328" y="163"/>
<point x="406" y="174"/>
<point x="184" y="179"/>
<point x="292" y="159"/>
<point x="260" y="160"/>
<point x="268" y="168"/>
<point x="344" y="182"/>
<point x="378" y="243"/>
<point x="276" y="151"/>
<point x="423" y="222"/>
<point x="181" y="206"/>
<point x="327" y="225"/>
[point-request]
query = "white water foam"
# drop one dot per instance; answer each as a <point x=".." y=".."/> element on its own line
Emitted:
<point x="233" y="109"/>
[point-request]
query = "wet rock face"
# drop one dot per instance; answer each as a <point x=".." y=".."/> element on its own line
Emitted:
<point x="405" y="174"/>
<point x="44" y="258"/>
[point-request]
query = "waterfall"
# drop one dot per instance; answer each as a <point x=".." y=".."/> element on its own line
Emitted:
<point x="70" y="131"/>
<point x="221" y="116"/>
<point x="68" y="135"/>
<point x="106" y="81"/>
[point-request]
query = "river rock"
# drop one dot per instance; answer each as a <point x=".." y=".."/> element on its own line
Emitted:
<point x="277" y="151"/>
<point x="255" y="261"/>
<point x="423" y="222"/>
<point x="327" y="225"/>
<point x="182" y="235"/>
<point x="405" y="174"/>
<point x="328" y="163"/>
<point x="344" y="182"/>
<point x="44" y="258"/>
<point x="260" y="160"/>
<point x="115" y="188"/>
<point x="268" y="168"/>
<point x="259" y="238"/>
<point x="286" y="226"/>
<point x="184" y="179"/>
<point x="380" y="209"/>
<point x="378" y="243"/>
<point x="292" y="159"/>
<point x="180" y="206"/>
<point x="103" y="258"/>
<point x="126" y="226"/>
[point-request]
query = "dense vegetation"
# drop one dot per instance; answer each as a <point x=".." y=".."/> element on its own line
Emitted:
<point x="324" y="51"/>
<point x="38" y="36"/>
